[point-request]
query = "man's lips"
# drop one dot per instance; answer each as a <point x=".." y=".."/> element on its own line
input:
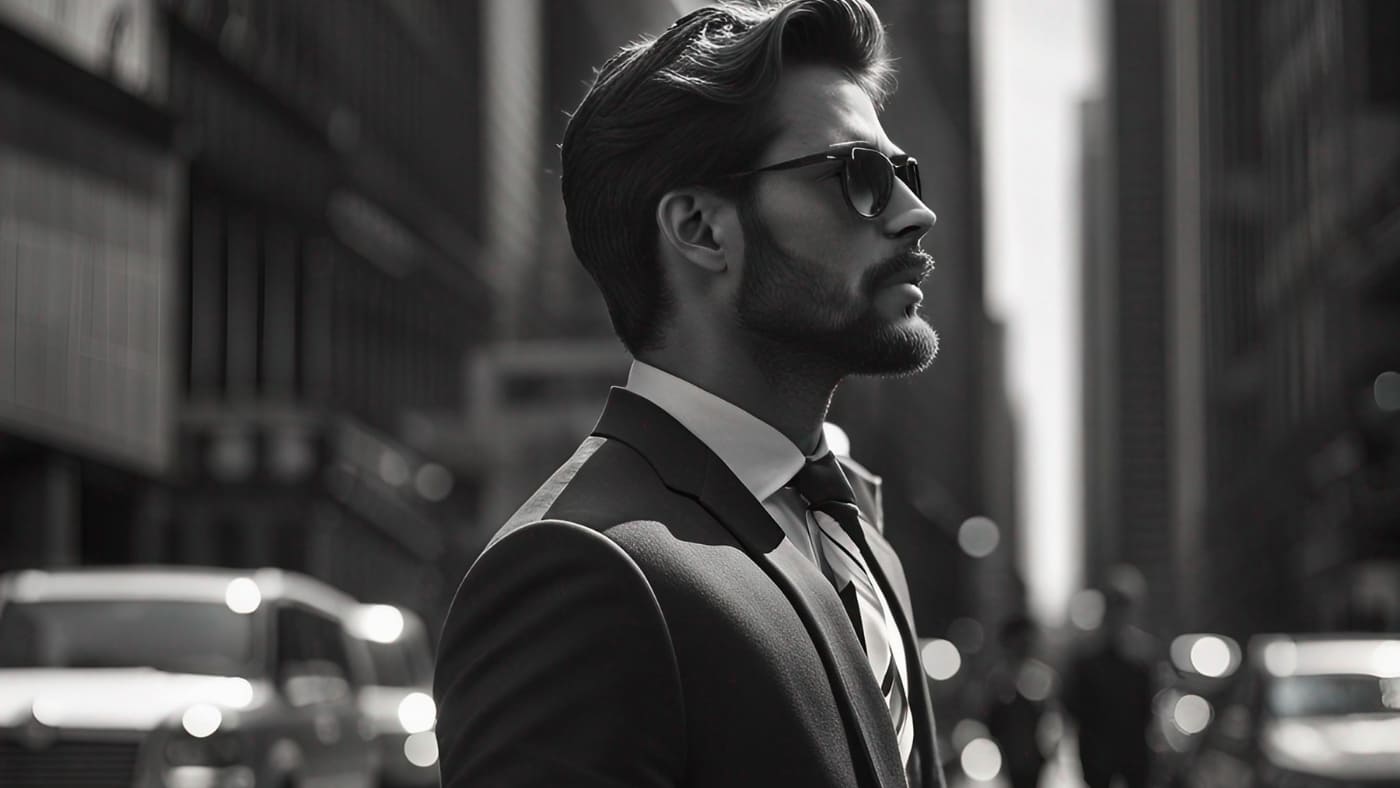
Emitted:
<point x="895" y="284"/>
<point x="910" y="276"/>
<point x="897" y="294"/>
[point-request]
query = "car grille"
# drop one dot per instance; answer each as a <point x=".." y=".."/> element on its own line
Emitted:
<point x="68" y="764"/>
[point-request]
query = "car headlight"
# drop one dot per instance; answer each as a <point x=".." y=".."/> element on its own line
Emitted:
<point x="417" y="712"/>
<point x="219" y="750"/>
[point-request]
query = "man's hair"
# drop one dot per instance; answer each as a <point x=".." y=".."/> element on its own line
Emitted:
<point x="687" y="108"/>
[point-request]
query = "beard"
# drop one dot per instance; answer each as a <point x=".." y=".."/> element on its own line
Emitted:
<point x="800" y="317"/>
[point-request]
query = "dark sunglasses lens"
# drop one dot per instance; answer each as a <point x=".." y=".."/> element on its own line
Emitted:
<point x="909" y="173"/>
<point x="869" y="179"/>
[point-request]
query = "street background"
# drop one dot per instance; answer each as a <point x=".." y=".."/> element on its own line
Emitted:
<point x="288" y="284"/>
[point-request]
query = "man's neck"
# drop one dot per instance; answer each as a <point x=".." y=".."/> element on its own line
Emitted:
<point x="791" y="399"/>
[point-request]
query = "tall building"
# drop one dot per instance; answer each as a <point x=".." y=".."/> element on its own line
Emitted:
<point x="1298" y="199"/>
<point x="1243" y="321"/>
<point x="1098" y="339"/>
<point x="1126" y="457"/>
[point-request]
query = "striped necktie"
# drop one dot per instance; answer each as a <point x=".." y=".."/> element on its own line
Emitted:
<point x="834" y="523"/>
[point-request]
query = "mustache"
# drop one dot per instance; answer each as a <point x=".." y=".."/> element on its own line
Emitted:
<point x="900" y="266"/>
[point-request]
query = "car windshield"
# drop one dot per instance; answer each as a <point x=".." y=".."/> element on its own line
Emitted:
<point x="395" y="666"/>
<point x="174" y="636"/>
<point x="1330" y="695"/>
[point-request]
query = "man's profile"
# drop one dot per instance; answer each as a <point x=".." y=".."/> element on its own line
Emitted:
<point x="702" y="595"/>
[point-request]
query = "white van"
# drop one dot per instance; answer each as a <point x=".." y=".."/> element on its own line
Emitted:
<point x="170" y="677"/>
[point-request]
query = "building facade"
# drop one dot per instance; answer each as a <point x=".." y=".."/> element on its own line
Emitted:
<point x="1266" y="142"/>
<point x="1300" y="195"/>
<point x="89" y="263"/>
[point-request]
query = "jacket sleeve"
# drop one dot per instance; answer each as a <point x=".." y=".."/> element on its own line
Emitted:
<point x="556" y="669"/>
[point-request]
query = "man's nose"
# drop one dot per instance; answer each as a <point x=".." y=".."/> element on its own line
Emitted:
<point x="907" y="216"/>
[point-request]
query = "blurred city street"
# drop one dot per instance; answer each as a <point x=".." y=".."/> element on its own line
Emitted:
<point x="291" y="323"/>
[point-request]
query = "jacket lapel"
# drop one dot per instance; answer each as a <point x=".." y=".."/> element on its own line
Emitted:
<point x="892" y="581"/>
<point x="688" y="467"/>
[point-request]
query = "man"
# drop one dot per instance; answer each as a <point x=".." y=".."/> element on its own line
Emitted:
<point x="1019" y="690"/>
<point x="701" y="595"/>
<point x="1109" y="692"/>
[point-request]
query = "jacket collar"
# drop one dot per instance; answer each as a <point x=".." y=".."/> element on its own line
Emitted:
<point x="759" y="455"/>
<point x="688" y="467"/>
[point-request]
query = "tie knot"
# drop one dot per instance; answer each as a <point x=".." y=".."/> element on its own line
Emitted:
<point x="821" y="480"/>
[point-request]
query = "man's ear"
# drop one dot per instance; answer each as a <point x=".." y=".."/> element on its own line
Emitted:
<point x="696" y="224"/>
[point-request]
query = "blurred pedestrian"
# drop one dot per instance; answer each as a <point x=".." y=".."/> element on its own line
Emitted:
<point x="702" y="595"/>
<point x="1019" y="693"/>
<point x="1108" y="692"/>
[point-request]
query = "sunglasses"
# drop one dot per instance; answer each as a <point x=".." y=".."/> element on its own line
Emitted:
<point x="867" y="175"/>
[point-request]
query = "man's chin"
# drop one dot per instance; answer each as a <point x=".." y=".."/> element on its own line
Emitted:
<point x="905" y="348"/>
<point x="869" y="346"/>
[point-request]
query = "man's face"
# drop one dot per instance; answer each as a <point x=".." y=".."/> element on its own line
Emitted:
<point x="820" y="281"/>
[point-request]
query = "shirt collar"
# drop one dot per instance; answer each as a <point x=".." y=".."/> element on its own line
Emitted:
<point x="762" y="458"/>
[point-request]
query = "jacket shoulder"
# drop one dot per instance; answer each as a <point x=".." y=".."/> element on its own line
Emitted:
<point x="604" y="483"/>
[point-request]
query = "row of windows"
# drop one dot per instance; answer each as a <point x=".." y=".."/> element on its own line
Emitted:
<point x="275" y="314"/>
<point x="402" y="75"/>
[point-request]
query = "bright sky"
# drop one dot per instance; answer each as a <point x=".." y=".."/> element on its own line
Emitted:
<point x="1037" y="59"/>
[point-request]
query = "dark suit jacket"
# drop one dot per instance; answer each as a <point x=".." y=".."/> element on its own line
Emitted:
<point x="641" y="621"/>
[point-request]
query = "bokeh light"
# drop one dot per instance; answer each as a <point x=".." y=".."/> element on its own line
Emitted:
<point x="433" y="482"/>
<point x="978" y="536"/>
<point x="393" y="469"/>
<point x="1035" y="681"/>
<point x="1386" y="390"/>
<point x="381" y="623"/>
<point x="201" y="720"/>
<point x="1210" y="656"/>
<point x="417" y="712"/>
<point x="1191" y="714"/>
<point x="1086" y="609"/>
<point x="981" y="760"/>
<point x="242" y="595"/>
<point x="941" y="659"/>
<point x="421" y="749"/>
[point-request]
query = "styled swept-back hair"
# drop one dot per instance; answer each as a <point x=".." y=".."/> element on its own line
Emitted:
<point x="687" y="108"/>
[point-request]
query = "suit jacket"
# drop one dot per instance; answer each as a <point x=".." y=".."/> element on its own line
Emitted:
<point x="642" y="621"/>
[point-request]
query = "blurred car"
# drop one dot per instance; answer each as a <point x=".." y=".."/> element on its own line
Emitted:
<point x="154" y="677"/>
<point x="1307" y="711"/>
<point x="398" y="700"/>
